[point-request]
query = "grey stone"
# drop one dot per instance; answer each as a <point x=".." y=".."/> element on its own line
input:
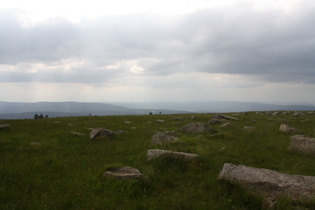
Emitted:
<point x="35" y="143"/>
<point x="198" y="128"/>
<point x="297" y="114"/>
<point x="125" y="172"/>
<point x="127" y="122"/>
<point x="302" y="143"/>
<point x="4" y="126"/>
<point x="287" y="129"/>
<point x="270" y="184"/>
<point x="159" y="138"/>
<point x="161" y="121"/>
<point x="225" y="125"/>
<point x="119" y="132"/>
<point x="249" y="128"/>
<point x="101" y="132"/>
<point x="154" y="153"/>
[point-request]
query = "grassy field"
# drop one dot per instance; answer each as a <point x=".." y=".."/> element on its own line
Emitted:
<point x="65" y="171"/>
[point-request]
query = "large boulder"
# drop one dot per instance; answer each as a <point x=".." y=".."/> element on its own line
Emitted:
<point x="159" y="138"/>
<point x="154" y="153"/>
<point x="302" y="143"/>
<point x="270" y="184"/>
<point x="101" y="132"/>
<point x="125" y="172"/>
<point x="198" y="128"/>
<point x="287" y="129"/>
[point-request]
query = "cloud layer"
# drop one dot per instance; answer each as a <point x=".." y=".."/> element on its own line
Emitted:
<point x="265" y="45"/>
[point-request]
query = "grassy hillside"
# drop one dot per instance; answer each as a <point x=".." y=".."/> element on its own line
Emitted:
<point x="63" y="171"/>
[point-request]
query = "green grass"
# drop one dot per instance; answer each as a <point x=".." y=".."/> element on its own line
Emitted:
<point x="65" y="171"/>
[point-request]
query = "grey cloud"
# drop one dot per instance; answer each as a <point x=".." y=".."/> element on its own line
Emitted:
<point x="267" y="45"/>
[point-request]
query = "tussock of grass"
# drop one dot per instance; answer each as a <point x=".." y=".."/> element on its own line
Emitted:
<point x="65" y="171"/>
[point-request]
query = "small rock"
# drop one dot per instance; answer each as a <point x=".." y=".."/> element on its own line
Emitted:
<point x="154" y="153"/>
<point x="101" y="132"/>
<point x="193" y="117"/>
<point x="301" y="143"/>
<point x="161" y="121"/>
<point x="119" y="132"/>
<point x="225" y="125"/>
<point x="198" y="128"/>
<point x="4" y="126"/>
<point x="287" y="129"/>
<point x="133" y="128"/>
<point x="125" y="172"/>
<point x="35" y="143"/>
<point x="159" y="138"/>
<point x="225" y="117"/>
<point x="177" y="123"/>
<point x="177" y="118"/>
<point x="127" y="122"/>
<point x="297" y="114"/>
<point x="56" y="122"/>
<point x="70" y="125"/>
<point x="249" y="128"/>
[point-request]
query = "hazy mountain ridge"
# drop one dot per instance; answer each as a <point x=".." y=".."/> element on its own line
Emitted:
<point x="21" y="110"/>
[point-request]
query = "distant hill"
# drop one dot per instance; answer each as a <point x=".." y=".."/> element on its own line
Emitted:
<point x="20" y="110"/>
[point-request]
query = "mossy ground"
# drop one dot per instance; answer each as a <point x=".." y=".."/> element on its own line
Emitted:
<point x="65" y="171"/>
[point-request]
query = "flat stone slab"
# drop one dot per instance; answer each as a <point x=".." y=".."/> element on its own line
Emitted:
<point x="125" y="172"/>
<point x="225" y="117"/>
<point x="270" y="184"/>
<point x="154" y="153"/>
<point x="301" y="143"/>
<point x="101" y="132"/>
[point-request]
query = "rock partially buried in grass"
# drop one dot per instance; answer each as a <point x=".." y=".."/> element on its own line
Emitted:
<point x="101" y="132"/>
<point x="198" y="128"/>
<point x="287" y="129"/>
<point x="225" y="117"/>
<point x="159" y="138"/>
<point x="301" y="143"/>
<point x="154" y="153"/>
<point x="270" y="184"/>
<point x="2" y="126"/>
<point x="125" y="172"/>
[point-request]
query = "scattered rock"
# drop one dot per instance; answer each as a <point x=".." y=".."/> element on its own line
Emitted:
<point x="119" y="132"/>
<point x="56" y="122"/>
<point x="133" y="128"/>
<point x="225" y="125"/>
<point x="301" y="143"/>
<point x="304" y="121"/>
<point x="127" y="122"/>
<point x="225" y="117"/>
<point x="177" y="118"/>
<point x="216" y="121"/>
<point x="4" y="126"/>
<point x="177" y="123"/>
<point x="101" y="132"/>
<point x="35" y="144"/>
<point x="70" y="125"/>
<point x="162" y="121"/>
<point x="287" y="129"/>
<point x="125" y="172"/>
<point x="193" y="117"/>
<point x="270" y="184"/>
<point x="154" y="153"/>
<point x="159" y="138"/>
<point x="170" y="132"/>
<point x="198" y="128"/>
<point x="275" y="113"/>
<point x="297" y="114"/>
<point x="249" y="128"/>
<point x="77" y="134"/>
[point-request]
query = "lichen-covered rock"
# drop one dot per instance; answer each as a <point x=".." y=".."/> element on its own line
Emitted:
<point x="101" y="132"/>
<point x="302" y="143"/>
<point x="159" y="138"/>
<point x="270" y="184"/>
<point x="198" y="128"/>
<point x="154" y="153"/>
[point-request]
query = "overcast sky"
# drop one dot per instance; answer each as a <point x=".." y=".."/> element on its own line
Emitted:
<point x="145" y="51"/>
